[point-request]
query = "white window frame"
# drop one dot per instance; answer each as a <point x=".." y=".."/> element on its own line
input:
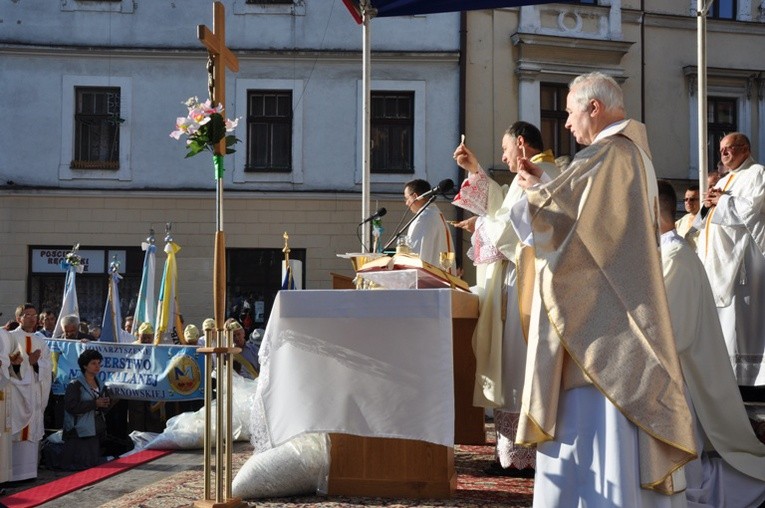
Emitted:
<point x="243" y="86"/>
<point x="743" y="10"/>
<point x="65" y="172"/>
<point x="123" y="6"/>
<point x="297" y="8"/>
<point x="419" y="144"/>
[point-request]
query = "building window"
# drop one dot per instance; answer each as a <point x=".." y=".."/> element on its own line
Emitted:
<point x="552" y="101"/>
<point x="97" y="128"/>
<point x="392" y="131"/>
<point x="721" y="120"/>
<point x="254" y="277"/>
<point x="723" y="9"/>
<point x="269" y="130"/>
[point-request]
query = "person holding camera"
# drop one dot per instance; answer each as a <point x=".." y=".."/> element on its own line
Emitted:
<point x="86" y="442"/>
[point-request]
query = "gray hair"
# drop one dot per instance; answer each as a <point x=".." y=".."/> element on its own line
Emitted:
<point x="600" y="87"/>
<point x="71" y="319"/>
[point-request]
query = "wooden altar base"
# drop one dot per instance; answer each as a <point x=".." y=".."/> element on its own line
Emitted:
<point x="390" y="468"/>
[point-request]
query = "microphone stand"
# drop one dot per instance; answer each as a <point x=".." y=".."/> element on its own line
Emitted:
<point x="406" y="226"/>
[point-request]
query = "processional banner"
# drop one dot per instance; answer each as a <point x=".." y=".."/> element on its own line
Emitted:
<point x="134" y="371"/>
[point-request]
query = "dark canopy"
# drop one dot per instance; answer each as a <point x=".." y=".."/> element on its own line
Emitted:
<point x="386" y="8"/>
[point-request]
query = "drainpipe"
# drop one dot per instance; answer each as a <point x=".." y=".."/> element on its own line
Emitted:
<point x="458" y="233"/>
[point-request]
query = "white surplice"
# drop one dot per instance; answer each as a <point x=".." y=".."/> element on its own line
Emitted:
<point x="5" y="407"/>
<point x="29" y="397"/>
<point x="429" y="235"/>
<point x="735" y="474"/>
<point x="684" y="226"/>
<point x="498" y="341"/>
<point x="732" y="248"/>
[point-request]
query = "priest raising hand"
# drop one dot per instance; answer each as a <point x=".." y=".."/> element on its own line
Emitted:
<point x="529" y="173"/>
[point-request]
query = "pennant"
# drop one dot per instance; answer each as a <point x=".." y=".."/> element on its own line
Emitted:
<point x="168" y="321"/>
<point x="146" y="304"/>
<point x="289" y="281"/>
<point x="112" y="320"/>
<point x="69" y="302"/>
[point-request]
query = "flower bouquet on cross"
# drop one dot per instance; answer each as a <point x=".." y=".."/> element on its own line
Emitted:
<point x="205" y="127"/>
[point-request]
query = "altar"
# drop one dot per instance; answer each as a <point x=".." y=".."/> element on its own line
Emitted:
<point x="389" y="374"/>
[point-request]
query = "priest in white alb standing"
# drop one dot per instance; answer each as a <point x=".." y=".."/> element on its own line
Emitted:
<point x="730" y="470"/>
<point x="732" y="247"/>
<point x="498" y="341"/>
<point x="31" y="381"/>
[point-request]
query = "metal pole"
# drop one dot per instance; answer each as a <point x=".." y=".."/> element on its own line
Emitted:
<point x="220" y="404"/>
<point x="367" y="14"/>
<point x="229" y="417"/>
<point x="701" y="41"/>
<point x="208" y="402"/>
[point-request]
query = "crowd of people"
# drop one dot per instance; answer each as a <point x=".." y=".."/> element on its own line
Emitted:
<point x="95" y="425"/>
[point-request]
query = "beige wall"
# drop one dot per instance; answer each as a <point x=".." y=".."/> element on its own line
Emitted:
<point x="324" y="225"/>
<point x="657" y="45"/>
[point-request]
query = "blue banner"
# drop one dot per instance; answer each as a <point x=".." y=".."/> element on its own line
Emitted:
<point x="134" y="371"/>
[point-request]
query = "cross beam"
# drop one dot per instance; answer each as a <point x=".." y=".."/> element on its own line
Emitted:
<point x="220" y="58"/>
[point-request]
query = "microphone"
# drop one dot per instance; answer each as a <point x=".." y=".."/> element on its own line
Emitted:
<point x="443" y="186"/>
<point x="379" y="213"/>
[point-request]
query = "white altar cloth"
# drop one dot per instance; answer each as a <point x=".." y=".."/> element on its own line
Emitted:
<point x="367" y="363"/>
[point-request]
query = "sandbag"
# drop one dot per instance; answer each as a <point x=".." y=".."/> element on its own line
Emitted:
<point x="298" y="467"/>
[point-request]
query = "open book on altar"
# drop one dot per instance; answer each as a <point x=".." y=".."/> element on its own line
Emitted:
<point x="424" y="274"/>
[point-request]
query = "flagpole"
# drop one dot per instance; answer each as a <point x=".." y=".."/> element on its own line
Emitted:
<point x="287" y="267"/>
<point x="367" y="13"/>
<point x="146" y="305"/>
<point x="113" y="269"/>
<point x="701" y="36"/>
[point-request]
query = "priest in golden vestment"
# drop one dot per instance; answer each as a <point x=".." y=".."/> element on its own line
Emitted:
<point x="498" y="341"/>
<point x="604" y="397"/>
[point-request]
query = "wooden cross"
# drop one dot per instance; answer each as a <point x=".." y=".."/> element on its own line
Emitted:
<point x="220" y="57"/>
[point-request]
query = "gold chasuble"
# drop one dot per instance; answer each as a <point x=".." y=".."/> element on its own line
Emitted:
<point x="600" y="314"/>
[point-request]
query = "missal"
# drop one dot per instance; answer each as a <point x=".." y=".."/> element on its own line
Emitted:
<point x="428" y="276"/>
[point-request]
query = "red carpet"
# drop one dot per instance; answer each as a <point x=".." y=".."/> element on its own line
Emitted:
<point x="43" y="493"/>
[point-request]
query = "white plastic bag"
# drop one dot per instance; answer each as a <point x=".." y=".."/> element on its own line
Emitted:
<point x="298" y="467"/>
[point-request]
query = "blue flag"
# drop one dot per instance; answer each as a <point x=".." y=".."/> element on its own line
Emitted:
<point x="289" y="281"/>
<point x="146" y="304"/>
